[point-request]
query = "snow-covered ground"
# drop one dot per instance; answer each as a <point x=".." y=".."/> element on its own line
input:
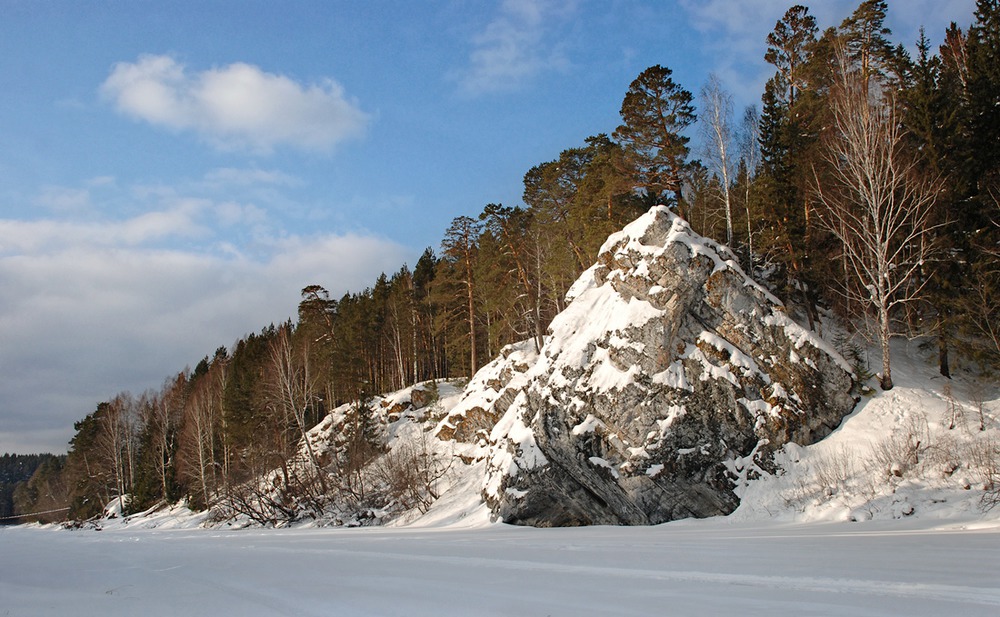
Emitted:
<point x="708" y="567"/>
<point x="881" y="518"/>
<point x="925" y="449"/>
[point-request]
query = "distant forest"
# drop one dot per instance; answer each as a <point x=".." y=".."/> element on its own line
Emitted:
<point x="15" y="472"/>
<point x="866" y="185"/>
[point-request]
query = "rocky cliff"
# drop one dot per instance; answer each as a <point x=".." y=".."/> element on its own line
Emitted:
<point x="669" y="370"/>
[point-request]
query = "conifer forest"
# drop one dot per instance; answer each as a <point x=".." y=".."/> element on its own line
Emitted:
<point x="864" y="188"/>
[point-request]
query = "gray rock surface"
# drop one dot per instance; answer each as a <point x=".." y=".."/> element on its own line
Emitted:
<point x="669" y="374"/>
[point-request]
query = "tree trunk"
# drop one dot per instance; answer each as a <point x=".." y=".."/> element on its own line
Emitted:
<point x="885" y="333"/>
<point x="943" y="339"/>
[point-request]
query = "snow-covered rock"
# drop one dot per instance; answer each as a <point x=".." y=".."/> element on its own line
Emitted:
<point x="667" y="364"/>
<point x="488" y="395"/>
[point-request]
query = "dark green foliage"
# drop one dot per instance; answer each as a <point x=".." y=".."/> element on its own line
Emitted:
<point x="655" y="113"/>
<point x="866" y="39"/>
<point x="242" y="400"/>
<point x="43" y="497"/>
<point x="788" y="50"/>
<point x="87" y="474"/>
<point x="15" y="472"/>
<point x="983" y="116"/>
<point x="789" y="127"/>
<point x="502" y="274"/>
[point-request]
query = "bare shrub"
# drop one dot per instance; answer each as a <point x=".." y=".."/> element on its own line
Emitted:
<point x="955" y="414"/>
<point x="983" y="455"/>
<point x="796" y="494"/>
<point x="410" y="473"/>
<point x="277" y="491"/>
<point x="977" y="393"/>
<point x="835" y="471"/>
<point x="260" y="499"/>
<point x="903" y="450"/>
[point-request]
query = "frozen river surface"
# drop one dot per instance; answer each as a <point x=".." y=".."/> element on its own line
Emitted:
<point x="698" y="567"/>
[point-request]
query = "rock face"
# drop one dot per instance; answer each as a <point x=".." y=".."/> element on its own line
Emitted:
<point x="669" y="370"/>
<point x="488" y="395"/>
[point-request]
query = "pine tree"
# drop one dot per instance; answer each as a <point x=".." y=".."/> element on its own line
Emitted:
<point x="865" y="37"/>
<point x="983" y="49"/>
<point x="787" y="50"/>
<point x="654" y="113"/>
<point x="789" y="125"/>
<point x="979" y="218"/>
<point x="511" y="228"/>
<point x="460" y="246"/>
<point x="429" y="355"/>
<point x="932" y="122"/>
<point x="40" y="490"/>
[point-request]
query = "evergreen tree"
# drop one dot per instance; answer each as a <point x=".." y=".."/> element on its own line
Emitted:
<point x="88" y="478"/>
<point x="242" y="400"/>
<point x="154" y="468"/>
<point x="42" y="496"/>
<point x="499" y="300"/>
<point x="931" y="118"/>
<point x="510" y="227"/>
<point x="866" y="42"/>
<point x="787" y="50"/>
<point x="979" y="216"/>
<point x="983" y="52"/>
<point x="460" y="247"/>
<point x="789" y="126"/>
<point x="654" y="113"/>
<point x="429" y="355"/>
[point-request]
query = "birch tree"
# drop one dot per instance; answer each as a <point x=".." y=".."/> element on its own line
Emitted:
<point x="717" y="120"/>
<point x="749" y="145"/>
<point x="197" y="450"/>
<point x="292" y="386"/>
<point x="873" y="199"/>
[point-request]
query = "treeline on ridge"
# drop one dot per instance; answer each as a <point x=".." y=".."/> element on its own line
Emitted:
<point x="867" y="184"/>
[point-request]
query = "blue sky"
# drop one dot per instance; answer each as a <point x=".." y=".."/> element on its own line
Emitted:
<point x="173" y="173"/>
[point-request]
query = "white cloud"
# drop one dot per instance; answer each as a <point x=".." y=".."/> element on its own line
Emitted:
<point x="228" y="176"/>
<point x="102" y="181"/>
<point x="516" y="46"/>
<point x="62" y="199"/>
<point x="180" y="220"/>
<point x="738" y="18"/>
<point x="231" y="213"/>
<point x="91" y="308"/>
<point x="238" y="106"/>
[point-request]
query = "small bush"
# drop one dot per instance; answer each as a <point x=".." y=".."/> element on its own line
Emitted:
<point x="903" y="450"/>
<point x="983" y="455"/>
<point x="410" y="473"/>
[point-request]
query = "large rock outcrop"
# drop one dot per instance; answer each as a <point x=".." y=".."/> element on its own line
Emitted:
<point x="668" y="364"/>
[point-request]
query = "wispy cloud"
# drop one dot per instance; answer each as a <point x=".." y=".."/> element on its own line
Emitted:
<point x="235" y="107"/>
<point x="92" y="307"/>
<point x="231" y="176"/>
<point x="516" y="46"/>
<point x="738" y="30"/>
<point x="179" y="220"/>
<point x="743" y="24"/>
<point x="64" y="200"/>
